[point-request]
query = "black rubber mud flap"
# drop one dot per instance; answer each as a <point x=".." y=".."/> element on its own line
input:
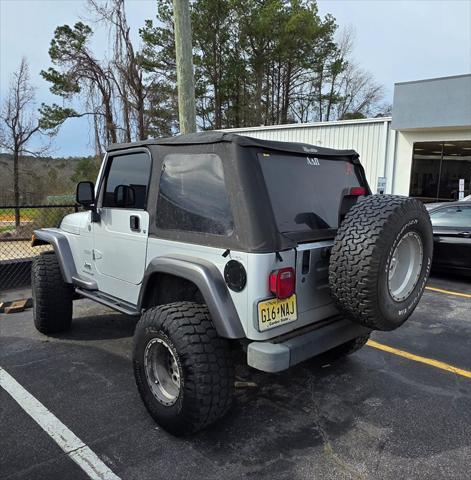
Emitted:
<point x="370" y="278"/>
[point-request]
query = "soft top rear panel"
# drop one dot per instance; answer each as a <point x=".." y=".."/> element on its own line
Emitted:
<point x="202" y="138"/>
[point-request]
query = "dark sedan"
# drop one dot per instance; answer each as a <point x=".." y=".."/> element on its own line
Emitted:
<point x="452" y="236"/>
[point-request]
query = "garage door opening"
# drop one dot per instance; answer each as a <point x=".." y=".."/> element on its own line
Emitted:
<point x="437" y="168"/>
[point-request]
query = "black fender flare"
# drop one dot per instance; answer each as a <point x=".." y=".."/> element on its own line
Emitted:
<point x="211" y="284"/>
<point x="62" y="250"/>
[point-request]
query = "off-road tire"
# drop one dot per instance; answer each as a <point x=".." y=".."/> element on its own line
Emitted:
<point x="52" y="297"/>
<point x="348" y="348"/>
<point x="361" y="258"/>
<point x="204" y="360"/>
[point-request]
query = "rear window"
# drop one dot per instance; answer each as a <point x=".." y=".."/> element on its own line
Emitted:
<point x="306" y="192"/>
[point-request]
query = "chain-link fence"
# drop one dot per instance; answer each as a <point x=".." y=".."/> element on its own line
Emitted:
<point x="17" y="224"/>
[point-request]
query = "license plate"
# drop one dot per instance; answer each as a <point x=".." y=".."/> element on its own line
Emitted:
<point x="275" y="312"/>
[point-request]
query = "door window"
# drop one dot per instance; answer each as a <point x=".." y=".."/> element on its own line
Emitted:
<point x="193" y="196"/>
<point x="458" y="217"/>
<point x="129" y="170"/>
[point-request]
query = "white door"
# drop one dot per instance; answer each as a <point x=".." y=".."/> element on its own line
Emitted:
<point x="120" y="236"/>
<point x="119" y="250"/>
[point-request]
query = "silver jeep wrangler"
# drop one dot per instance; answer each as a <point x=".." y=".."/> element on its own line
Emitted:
<point x="219" y="242"/>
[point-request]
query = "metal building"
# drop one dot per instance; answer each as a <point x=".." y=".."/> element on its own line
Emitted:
<point x="372" y="138"/>
<point x="423" y="150"/>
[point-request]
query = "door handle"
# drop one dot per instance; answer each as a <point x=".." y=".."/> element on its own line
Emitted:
<point x="134" y="223"/>
<point x="464" y="234"/>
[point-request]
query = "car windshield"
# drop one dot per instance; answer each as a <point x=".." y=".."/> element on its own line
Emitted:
<point x="306" y="191"/>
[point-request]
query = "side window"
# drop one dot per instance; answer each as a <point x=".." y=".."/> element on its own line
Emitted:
<point x="193" y="196"/>
<point x="129" y="170"/>
<point x="452" y="217"/>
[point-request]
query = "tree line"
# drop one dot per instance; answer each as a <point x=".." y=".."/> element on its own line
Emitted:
<point x="257" y="62"/>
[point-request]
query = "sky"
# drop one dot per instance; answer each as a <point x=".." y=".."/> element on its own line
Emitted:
<point x="396" y="40"/>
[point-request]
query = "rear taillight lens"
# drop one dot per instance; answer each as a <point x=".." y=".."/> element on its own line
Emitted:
<point x="282" y="282"/>
<point x="357" y="191"/>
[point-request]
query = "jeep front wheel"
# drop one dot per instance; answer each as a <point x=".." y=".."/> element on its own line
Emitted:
<point x="381" y="260"/>
<point x="52" y="297"/>
<point x="183" y="369"/>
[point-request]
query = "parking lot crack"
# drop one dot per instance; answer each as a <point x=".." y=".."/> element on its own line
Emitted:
<point x="327" y="443"/>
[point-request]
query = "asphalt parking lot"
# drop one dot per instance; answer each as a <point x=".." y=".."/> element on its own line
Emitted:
<point x="403" y="412"/>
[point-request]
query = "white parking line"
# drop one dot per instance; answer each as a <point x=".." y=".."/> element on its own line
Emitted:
<point x="85" y="458"/>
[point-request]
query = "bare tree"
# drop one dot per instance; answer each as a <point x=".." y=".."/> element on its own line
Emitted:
<point x="359" y="92"/>
<point x="127" y="73"/>
<point x="19" y="123"/>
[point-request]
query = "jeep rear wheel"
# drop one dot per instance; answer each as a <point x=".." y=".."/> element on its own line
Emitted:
<point x="52" y="297"/>
<point x="381" y="260"/>
<point x="183" y="369"/>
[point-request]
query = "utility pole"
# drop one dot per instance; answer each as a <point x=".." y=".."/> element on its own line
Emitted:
<point x="184" y="59"/>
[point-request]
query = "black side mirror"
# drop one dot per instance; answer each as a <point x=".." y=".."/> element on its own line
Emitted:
<point x="124" y="196"/>
<point x="85" y="194"/>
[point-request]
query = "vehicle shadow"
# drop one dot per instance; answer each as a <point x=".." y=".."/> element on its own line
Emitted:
<point x="104" y="326"/>
<point x="445" y="277"/>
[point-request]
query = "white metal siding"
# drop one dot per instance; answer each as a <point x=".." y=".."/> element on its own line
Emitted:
<point x="369" y="137"/>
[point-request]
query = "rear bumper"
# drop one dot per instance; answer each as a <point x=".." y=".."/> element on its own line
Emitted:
<point x="280" y="354"/>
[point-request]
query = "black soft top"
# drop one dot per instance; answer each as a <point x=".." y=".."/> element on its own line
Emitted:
<point x="255" y="229"/>
<point x="202" y="138"/>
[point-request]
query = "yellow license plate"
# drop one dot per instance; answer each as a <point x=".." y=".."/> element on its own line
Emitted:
<point x="275" y="312"/>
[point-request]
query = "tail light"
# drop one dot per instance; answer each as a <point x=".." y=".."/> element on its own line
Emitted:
<point x="282" y="282"/>
<point x="357" y="191"/>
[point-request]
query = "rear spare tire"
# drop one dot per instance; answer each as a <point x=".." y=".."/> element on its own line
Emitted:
<point x="381" y="260"/>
